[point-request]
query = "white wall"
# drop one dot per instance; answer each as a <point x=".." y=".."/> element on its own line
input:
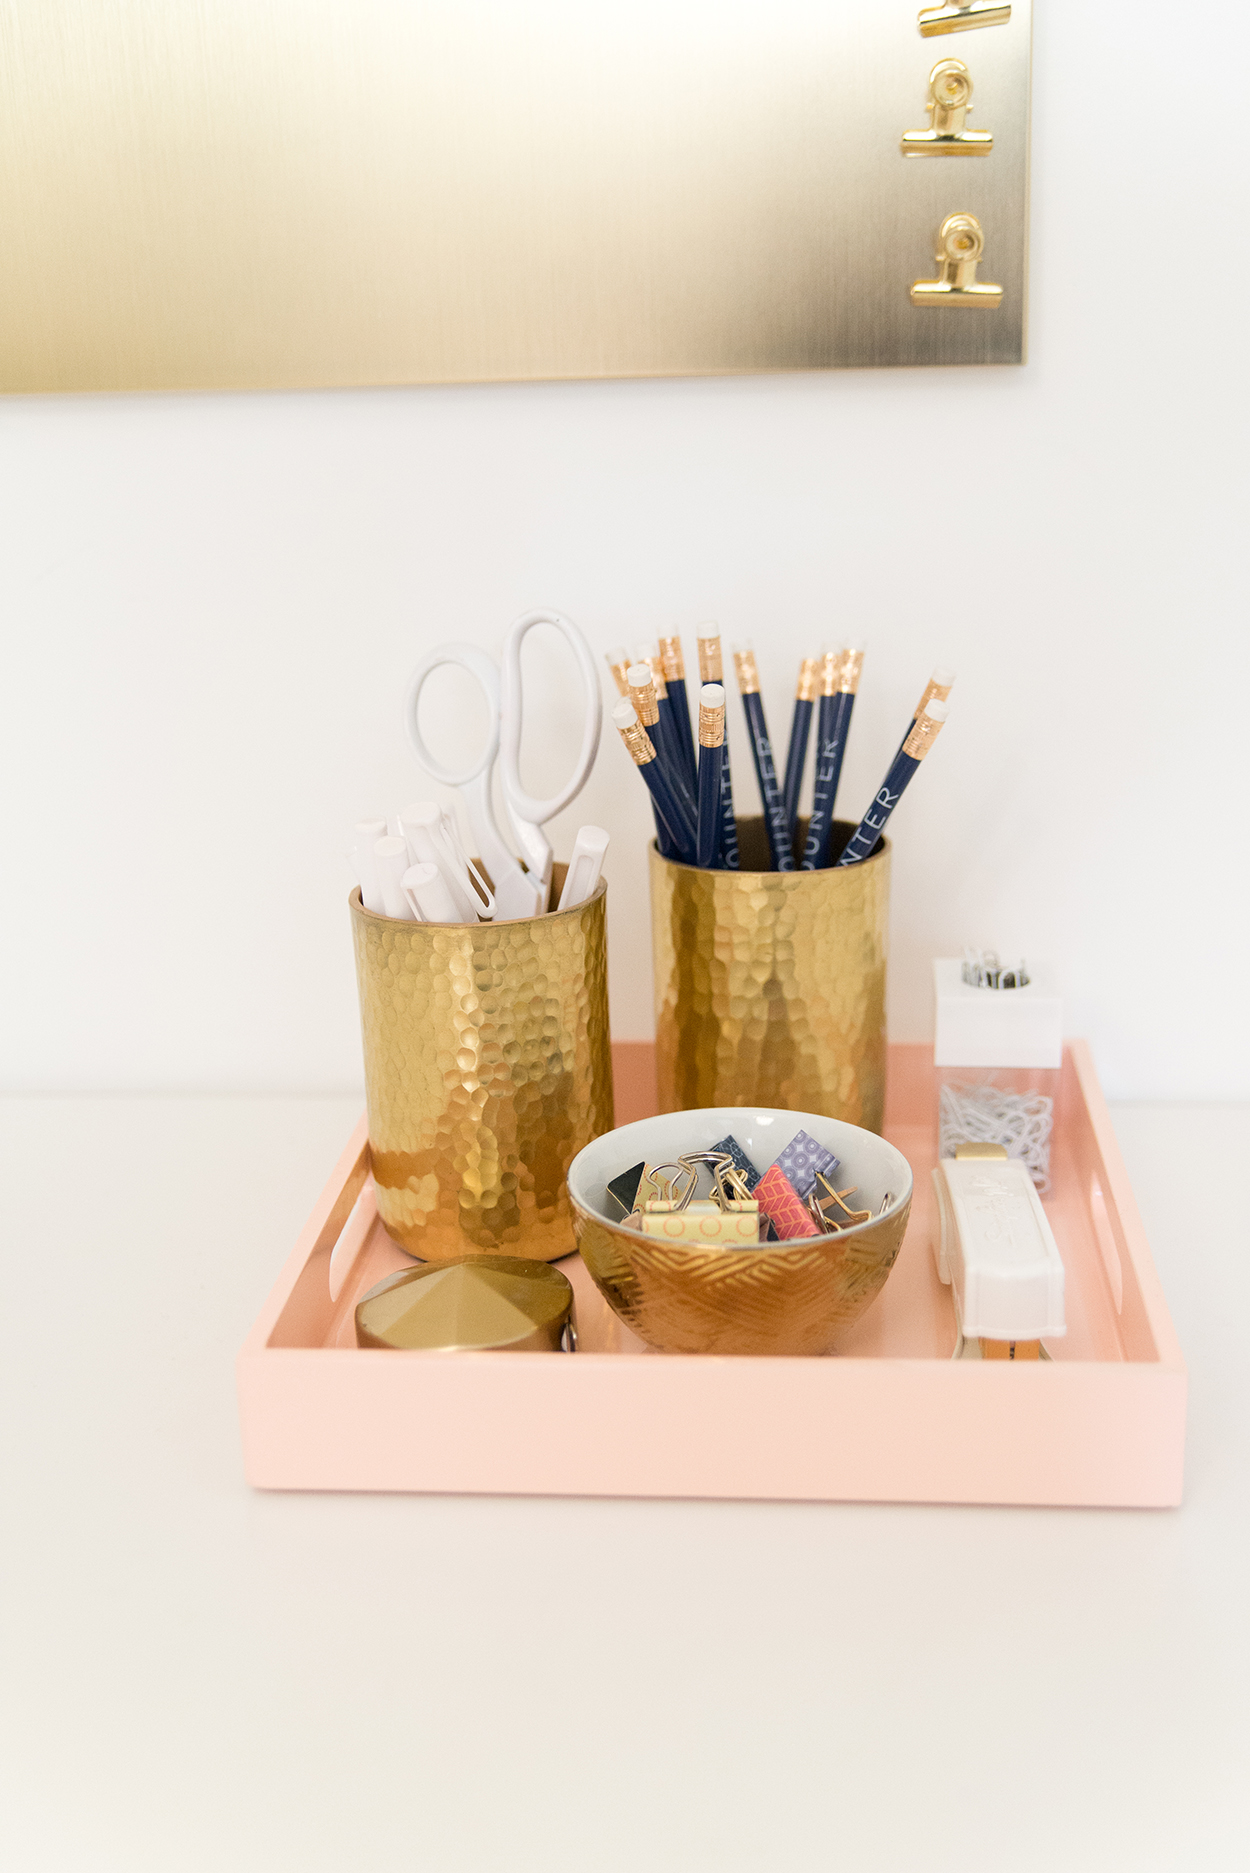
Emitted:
<point x="211" y="605"/>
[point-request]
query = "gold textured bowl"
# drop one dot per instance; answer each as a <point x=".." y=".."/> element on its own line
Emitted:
<point x="784" y="1298"/>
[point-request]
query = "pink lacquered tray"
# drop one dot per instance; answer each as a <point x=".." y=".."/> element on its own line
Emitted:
<point x="892" y="1418"/>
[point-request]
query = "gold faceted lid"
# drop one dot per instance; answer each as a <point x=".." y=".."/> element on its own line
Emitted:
<point x="480" y="1303"/>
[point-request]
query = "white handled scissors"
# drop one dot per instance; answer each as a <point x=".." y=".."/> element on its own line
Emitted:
<point x="518" y="893"/>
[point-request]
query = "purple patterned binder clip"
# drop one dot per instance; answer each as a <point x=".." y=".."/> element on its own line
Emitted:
<point x="803" y="1158"/>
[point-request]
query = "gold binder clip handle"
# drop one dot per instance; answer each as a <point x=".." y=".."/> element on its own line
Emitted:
<point x="960" y="244"/>
<point x="961" y="16"/>
<point x="950" y="94"/>
<point x="728" y="1184"/>
<point x="666" y="1188"/>
<point x="950" y="99"/>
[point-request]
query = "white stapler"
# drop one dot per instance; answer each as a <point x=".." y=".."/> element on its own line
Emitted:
<point x="995" y="1249"/>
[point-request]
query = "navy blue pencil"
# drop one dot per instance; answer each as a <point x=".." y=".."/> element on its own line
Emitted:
<point x="619" y="663"/>
<point x="711" y="670"/>
<point x="645" y="687"/>
<point x="668" y="806"/>
<point x="711" y="762"/>
<point x="679" y="768"/>
<point x="839" y="680"/>
<point x="765" y="769"/>
<point x="673" y="663"/>
<point x="905" y="766"/>
<point x="800" y="728"/>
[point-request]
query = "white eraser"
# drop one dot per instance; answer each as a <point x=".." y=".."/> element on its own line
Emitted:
<point x="996" y="1027"/>
<point x="996" y="1250"/>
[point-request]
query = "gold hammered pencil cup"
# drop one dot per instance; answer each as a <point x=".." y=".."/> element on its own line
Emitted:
<point x="770" y="986"/>
<point x="487" y="1068"/>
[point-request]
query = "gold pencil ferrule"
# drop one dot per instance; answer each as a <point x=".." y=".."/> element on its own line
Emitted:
<point x="711" y="726"/>
<point x="934" y="692"/>
<point x="830" y="664"/>
<point x="638" y="744"/>
<point x="661" y="686"/>
<point x="711" y="663"/>
<point x="747" y="673"/>
<point x="809" y="678"/>
<point x="672" y="660"/>
<point x="647" y="704"/>
<point x="619" y="677"/>
<point x="848" y="674"/>
<point x="922" y="737"/>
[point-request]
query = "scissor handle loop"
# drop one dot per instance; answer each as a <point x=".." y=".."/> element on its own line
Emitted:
<point x="479" y="665"/>
<point x="527" y="808"/>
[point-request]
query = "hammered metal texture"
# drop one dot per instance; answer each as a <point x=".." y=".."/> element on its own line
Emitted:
<point x="770" y="986"/>
<point x="685" y="1298"/>
<point x="487" y="1068"/>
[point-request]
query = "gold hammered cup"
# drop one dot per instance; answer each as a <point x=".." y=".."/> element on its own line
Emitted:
<point x="770" y="986"/>
<point x="487" y="1068"/>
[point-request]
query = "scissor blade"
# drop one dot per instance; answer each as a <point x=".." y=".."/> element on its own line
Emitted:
<point x="520" y="895"/>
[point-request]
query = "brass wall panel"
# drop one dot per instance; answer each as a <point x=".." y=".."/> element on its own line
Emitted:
<point x="239" y="193"/>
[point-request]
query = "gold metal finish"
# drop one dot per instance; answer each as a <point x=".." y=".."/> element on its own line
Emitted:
<point x="832" y="1206"/>
<point x="672" y="660"/>
<point x="619" y="676"/>
<point x="809" y="680"/>
<point x="711" y="662"/>
<point x="747" y="671"/>
<point x="950" y="95"/>
<point x="729" y="1186"/>
<point x="646" y="700"/>
<point x="960" y="243"/>
<point x="484" y="1303"/>
<point x="851" y="663"/>
<point x="978" y="1148"/>
<point x="770" y="986"/>
<point x="933" y="692"/>
<point x="487" y="1068"/>
<point x="924" y="733"/>
<point x="655" y="663"/>
<point x="790" y="1300"/>
<point x="957" y="18"/>
<point x="840" y="672"/>
<point x="638" y="744"/>
<point x="666" y="1187"/>
<point x="711" y="725"/>
<point x="270" y="193"/>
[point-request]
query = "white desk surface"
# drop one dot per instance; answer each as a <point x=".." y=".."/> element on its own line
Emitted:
<point x="199" y="1677"/>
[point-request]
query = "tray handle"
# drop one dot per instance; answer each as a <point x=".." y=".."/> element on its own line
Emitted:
<point x="356" y="1226"/>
